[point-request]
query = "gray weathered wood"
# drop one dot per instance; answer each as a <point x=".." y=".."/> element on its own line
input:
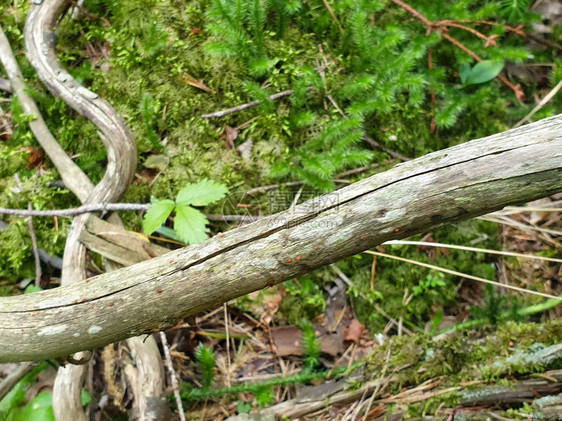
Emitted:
<point x="40" y="39"/>
<point x="458" y="183"/>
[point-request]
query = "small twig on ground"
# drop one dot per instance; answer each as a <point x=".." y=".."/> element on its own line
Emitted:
<point x="333" y="15"/>
<point x="96" y="207"/>
<point x="222" y="113"/>
<point x="373" y="272"/>
<point x="541" y="104"/>
<point x="475" y="249"/>
<point x="9" y="382"/>
<point x="523" y="227"/>
<point x="464" y="275"/>
<point x="378" y="388"/>
<point x="106" y="207"/>
<point x="344" y="278"/>
<point x="545" y="41"/>
<point x="393" y="154"/>
<point x="300" y="183"/>
<point x="227" y="332"/>
<point x="33" y="238"/>
<point x="515" y="30"/>
<point x="173" y="379"/>
<point x="274" y="186"/>
<point x="35" y="248"/>
<point x="297" y="197"/>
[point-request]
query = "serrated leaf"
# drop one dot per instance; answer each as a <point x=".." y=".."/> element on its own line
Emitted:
<point x="190" y="225"/>
<point x="484" y="71"/>
<point x="201" y="193"/>
<point x="157" y="215"/>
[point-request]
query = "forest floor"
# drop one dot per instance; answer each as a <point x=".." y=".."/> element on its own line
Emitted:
<point x="369" y="337"/>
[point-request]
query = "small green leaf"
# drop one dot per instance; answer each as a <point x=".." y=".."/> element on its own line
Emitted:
<point x="436" y="321"/>
<point x="484" y="71"/>
<point x="464" y="71"/>
<point x="157" y="162"/>
<point x="190" y="225"/>
<point x="32" y="288"/>
<point x="201" y="193"/>
<point x="244" y="407"/>
<point x="157" y="215"/>
<point x="85" y="397"/>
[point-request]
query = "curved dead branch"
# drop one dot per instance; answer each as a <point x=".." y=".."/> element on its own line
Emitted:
<point x="40" y="41"/>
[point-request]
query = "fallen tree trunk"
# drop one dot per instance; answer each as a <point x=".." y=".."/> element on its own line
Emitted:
<point x="458" y="183"/>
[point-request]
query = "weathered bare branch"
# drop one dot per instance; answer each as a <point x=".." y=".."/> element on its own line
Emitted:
<point x="458" y="183"/>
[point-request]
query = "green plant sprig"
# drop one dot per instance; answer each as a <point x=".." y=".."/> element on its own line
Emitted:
<point x="189" y="223"/>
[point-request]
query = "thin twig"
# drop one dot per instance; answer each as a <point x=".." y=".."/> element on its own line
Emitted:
<point x="107" y="207"/>
<point x="344" y="278"/>
<point x="333" y="15"/>
<point x="414" y="13"/>
<point x="227" y="331"/>
<point x="464" y="275"/>
<point x="515" y="30"/>
<point x="545" y="41"/>
<point x="528" y="228"/>
<point x="466" y="28"/>
<point x="393" y="154"/>
<point x="35" y="247"/>
<point x="541" y="104"/>
<point x="9" y="382"/>
<point x="222" y="113"/>
<point x="96" y="207"/>
<point x="33" y="237"/>
<point x="479" y="250"/>
<point x="172" y="372"/>
<point x="377" y="389"/>
<point x="300" y="183"/>
<point x="297" y="197"/>
<point x="274" y="186"/>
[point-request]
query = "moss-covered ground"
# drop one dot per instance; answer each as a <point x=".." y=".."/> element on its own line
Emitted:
<point x="164" y="63"/>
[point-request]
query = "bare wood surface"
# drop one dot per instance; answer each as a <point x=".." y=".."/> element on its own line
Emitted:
<point x="40" y="38"/>
<point x="458" y="183"/>
<point x="71" y="174"/>
<point x="120" y="236"/>
<point x="519" y="392"/>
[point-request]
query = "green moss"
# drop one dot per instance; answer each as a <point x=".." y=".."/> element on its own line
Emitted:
<point x="514" y="348"/>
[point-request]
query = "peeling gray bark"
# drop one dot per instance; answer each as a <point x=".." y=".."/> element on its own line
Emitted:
<point x="458" y="183"/>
